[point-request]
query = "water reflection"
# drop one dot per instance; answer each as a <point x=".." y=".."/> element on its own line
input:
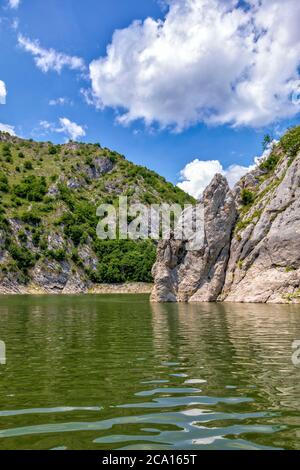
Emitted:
<point x="243" y="345"/>
<point x="117" y="372"/>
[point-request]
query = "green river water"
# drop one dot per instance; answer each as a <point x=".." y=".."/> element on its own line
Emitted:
<point x="115" y="372"/>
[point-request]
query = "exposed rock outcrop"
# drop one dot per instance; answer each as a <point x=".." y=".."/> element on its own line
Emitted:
<point x="264" y="264"/>
<point x="254" y="257"/>
<point x="182" y="274"/>
<point x="52" y="275"/>
<point x="99" y="167"/>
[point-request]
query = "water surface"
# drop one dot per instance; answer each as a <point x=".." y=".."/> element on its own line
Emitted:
<point x="114" y="372"/>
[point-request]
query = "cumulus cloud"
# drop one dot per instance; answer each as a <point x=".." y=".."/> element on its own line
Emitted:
<point x="213" y="61"/>
<point x="3" y="92"/>
<point x="7" y="128"/>
<point x="72" y="130"/>
<point x="50" y="59"/>
<point x="197" y="175"/>
<point x="14" y="4"/>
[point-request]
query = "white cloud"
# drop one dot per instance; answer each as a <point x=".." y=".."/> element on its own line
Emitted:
<point x="50" y="59"/>
<point x="15" y="23"/>
<point x="7" y="128"/>
<point x="235" y="172"/>
<point x="211" y="61"/>
<point x="14" y="3"/>
<point x="88" y="97"/>
<point x="197" y="174"/>
<point x="61" y="101"/>
<point x="3" y="92"/>
<point x="72" y="130"/>
<point x="46" y="125"/>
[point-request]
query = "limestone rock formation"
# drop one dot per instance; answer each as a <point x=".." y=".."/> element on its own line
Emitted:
<point x="252" y="238"/>
<point x="184" y="275"/>
<point x="264" y="263"/>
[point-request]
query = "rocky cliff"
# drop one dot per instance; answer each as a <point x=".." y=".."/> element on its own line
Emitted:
<point x="251" y="248"/>
<point x="198" y="275"/>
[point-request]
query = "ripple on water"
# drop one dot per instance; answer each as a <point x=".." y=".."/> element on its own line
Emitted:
<point x="190" y="431"/>
<point x="62" y="409"/>
<point x="195" y="381"/>
<point x="166" y="390"/>
<point x="166" y="376"/>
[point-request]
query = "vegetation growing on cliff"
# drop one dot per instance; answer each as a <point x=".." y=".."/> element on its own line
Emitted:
<point x="48" y="200"/>
<point x="266" y="179"/>
<point x="290" y="143"/>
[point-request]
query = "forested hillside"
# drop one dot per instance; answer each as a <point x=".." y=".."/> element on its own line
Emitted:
<point x="48" y="200"/>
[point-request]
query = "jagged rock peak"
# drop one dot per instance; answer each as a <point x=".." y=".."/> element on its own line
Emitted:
<point x="183" y="274"/>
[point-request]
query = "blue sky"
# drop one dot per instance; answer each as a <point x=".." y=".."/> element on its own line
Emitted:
<point x="171" y="90"/>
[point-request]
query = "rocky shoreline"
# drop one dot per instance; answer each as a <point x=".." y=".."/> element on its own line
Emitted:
<point x="97" y="289"/>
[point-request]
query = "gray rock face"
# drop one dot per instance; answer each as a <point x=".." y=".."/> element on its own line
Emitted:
<point x="55" y="241"/>
<point x="75" y="284"/>
<point x="52" y="275"/>
<point x="74" y="183"/>
<point x="252" y="258"/>
<point x="264" y="264"/>
<point x="87" y="257"/>
<point x="56" y="277"/>
<point x="101" y="166"/>
<point x="181" y="274"/>
<point x="10" y="286"/>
